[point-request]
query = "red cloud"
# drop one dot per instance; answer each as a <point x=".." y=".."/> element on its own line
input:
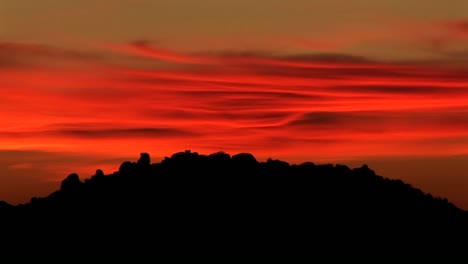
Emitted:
<point x="240" y="100"/>
<point x="459" y="26"/>
<point x="303" y="107"/>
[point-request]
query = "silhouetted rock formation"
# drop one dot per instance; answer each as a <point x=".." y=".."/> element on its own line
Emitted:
<point x="144" y="160"/>
<point x="195" y="204"/>
<point x="99" y="173"/>
<point x="4" y="205"/>
<point x="71" y="184"/>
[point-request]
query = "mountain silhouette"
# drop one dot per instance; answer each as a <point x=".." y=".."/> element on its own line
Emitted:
<point x="222" y="204"/>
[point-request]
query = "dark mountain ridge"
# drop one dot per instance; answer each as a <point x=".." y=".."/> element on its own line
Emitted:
<point x="215" y="204"/>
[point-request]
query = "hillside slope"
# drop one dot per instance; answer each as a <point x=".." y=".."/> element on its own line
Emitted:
<point x="213" y="204"/>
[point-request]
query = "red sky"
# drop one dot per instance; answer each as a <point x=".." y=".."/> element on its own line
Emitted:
<point x="393" y="95"/>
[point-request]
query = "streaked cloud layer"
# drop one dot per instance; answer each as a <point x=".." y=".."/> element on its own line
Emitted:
<point x="352" y="106"/>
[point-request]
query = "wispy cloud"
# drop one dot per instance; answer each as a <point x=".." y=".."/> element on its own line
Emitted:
<point x="13" y="54"/>
<point x="460" y="26"/>
<point x="350" y="106"/>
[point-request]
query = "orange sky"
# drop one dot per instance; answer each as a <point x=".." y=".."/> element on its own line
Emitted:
<point x="92" y="84"/>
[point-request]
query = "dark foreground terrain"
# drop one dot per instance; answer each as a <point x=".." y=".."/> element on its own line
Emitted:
<point x="216" y="204"/>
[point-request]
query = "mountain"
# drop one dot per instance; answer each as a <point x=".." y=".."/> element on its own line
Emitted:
<point x="222" y="204"/>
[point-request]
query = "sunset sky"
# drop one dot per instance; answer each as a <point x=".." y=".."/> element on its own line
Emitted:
<point x="89" y="84"/>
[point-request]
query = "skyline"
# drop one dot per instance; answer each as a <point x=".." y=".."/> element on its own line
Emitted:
<point x="360" y="82"/>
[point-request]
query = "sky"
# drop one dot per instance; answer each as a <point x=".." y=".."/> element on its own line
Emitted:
<point x="90" y="84"/>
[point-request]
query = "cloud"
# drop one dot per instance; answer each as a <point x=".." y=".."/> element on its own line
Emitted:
<point x="146" y="49"/>
<point x="20" y="55"/>
<point x="233" y="99"/>
<point x="113" y="133"/>
<point x="16" y="54"/>
<point x="127" y="133"/>
<point x="460" y="26"/>
<point x="20" y="166"/>
<point x="446" y="38"/>
<point x="24" y="48"/>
